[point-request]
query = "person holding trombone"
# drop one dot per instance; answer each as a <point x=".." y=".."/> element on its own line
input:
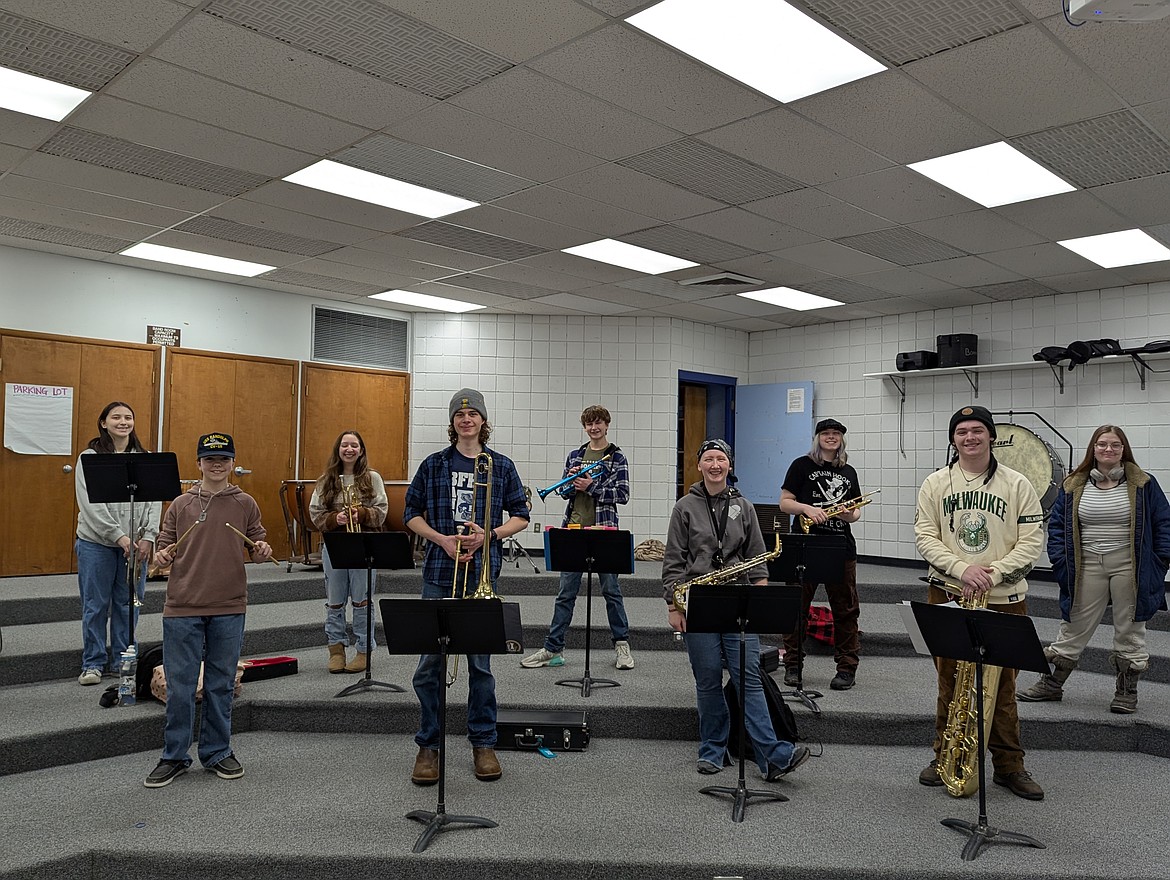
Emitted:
<point x="448" y="504"/>
<point x="596" y="481"/>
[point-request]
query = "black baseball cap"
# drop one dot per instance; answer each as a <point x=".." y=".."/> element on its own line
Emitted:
<point x="216" y="444"/>
<point x="830" y="425"/>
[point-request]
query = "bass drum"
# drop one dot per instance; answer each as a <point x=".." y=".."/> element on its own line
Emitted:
<point x="1023" y="451"/>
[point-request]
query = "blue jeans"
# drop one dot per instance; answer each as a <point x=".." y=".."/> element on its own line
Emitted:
<point x="188" y="641"/>
<point x="707" y="652"/>
<point x="619" y="625"/>
<point x="342" y="585"/>
<point x="429" y="677"/>
<point x="101" y="578"/>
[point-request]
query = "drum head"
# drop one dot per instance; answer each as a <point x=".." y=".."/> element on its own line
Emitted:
<point x="1023" y="451"/>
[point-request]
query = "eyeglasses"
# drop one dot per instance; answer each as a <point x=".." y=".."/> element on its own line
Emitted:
<point x="1113" y="446"/>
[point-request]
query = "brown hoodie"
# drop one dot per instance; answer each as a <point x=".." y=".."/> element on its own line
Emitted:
<point x="207" y="575"/>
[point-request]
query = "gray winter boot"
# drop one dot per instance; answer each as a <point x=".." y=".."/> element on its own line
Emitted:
<point x="1050" y="685"/>
<point x="1125" y="698"/>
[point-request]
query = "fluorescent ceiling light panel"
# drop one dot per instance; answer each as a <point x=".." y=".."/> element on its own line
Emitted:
<point x="365" y="186"/>
<point x="765" y="44"/>
<point x="35" y="96"/>
<point x="196" y="260"/>
<point x="1125" y="248"/>
<point x="788" y="298"/>
<point x="997" y="174"/>
<point x="425" y="301"/>
<point x="629" y="256"/>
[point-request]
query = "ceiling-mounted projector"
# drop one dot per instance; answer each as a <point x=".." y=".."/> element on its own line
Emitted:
<point x="1118" y="10"/>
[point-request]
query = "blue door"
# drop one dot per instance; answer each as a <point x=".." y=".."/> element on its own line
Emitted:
<point x="773" y="425"/>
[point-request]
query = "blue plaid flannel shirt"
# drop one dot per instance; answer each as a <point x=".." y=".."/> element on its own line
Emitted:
<point x="430" y="495"/>
<point x="608" y="490"/>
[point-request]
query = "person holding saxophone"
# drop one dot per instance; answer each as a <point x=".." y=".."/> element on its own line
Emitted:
<point x="441" y="503"/>
<point x="980" y="526"/>
<point x="348" y="497"/>
<point x="711" y="527"/>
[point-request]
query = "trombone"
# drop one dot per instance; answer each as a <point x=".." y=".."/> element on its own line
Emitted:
<point x="460" y="581"/>
<point x="602" y="462"/>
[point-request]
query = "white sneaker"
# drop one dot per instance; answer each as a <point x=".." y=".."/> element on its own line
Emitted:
<point x="90" y="676"/>
<point x="623" y="659"/>
<point x="543" y="657"/>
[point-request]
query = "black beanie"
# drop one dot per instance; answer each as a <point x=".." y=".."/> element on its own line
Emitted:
<point x="972" y="414"/>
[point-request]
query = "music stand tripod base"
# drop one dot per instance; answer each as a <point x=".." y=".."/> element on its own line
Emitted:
<point x="806" y="697"/>
<point x="437" y="822"/>
<point x="982" y="834"/>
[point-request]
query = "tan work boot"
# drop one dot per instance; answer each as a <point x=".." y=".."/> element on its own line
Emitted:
<point x="426" y="767"/>
<point x="1049" y="686"/>
<point x="487" y="766"/>
<point x="336" y="658"/>
<point x="357" y="664"/>
<point x="1125" y="695"/>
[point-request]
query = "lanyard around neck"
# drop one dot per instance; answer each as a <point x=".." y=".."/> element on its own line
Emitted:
<point x="718" y="526"/>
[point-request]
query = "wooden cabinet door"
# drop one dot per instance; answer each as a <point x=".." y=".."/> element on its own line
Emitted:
<point x="375" y="403"/>
<point x="254" y="400"/>
<point x="38" y="510"/>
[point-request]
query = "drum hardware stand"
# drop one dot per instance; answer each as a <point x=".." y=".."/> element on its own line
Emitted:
<point x="512" y="551"/>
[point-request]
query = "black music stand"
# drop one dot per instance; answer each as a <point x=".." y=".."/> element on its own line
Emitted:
<point x="443" y="626"/>
<point x="368" y="550"/>
<point x="605" y="551"/>
<point x="112" y="478"/>
<point x="979" y="636"/>
<point x="808" y="559"/>
<point x="726" y="608"/>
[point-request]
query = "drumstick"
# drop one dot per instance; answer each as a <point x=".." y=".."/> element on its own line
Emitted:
<point x="175" y="546"/>
<point x="251" y="544"/>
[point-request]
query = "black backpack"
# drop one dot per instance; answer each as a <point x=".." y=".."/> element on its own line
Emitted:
<point x="147" y="661"/>
<point x="783" y="721"/>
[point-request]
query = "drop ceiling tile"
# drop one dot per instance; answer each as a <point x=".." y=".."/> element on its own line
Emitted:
<point x="571" y="209"/>
<point x="739" y="305"/>
<point x="818" y="213"/>
<point x="56" y="216"/>
<point x="704" y="169"/>
<point x="1144" y="202"/>
<point x="247" y="59"/>
<point x="791" y="145"/>
<point x="773" y="270"/>
<point x="952" y="299"/>
<point x="36" y="235"/>
<point x="900" y="194"/>
<point x="833" y="258"/>
<point x="1016" y="82"/>
<point x="1039" y="259"/>
<point x="10" y="156"/>
<point x="471" y="241"/>
<point x="901" y="281"/>
<point x="896" y="117"/>
<point x="1131" y="59"/>
<point x="630" y="299"/>
<point x="748" y="230"/>
<point x="1009" y="290"/>
<point x="585" y="304"/>
<point x="579" y="267"/>
<point x="667" y="288"/>
<point x="478" y="138"/>
<point x="21" y="130"/>
<point x="673" y="89"/>
<point x="505" y="27"/>
<point x="433" y="261"/>
<point x="194" y="96"/>
<point x="537" y="277"/>
<point x="256" y="236"/>
<point x="901" y="245"/>
<point x="844" y="290"/>
<point x="899" y="305"/>
<point x="244" y="210"/>
<point x="86" y="202"/>
<point x="967" y="271"/>
<point x="494" y="286"/>
<point x="186" y="137"/>
<point x="133" y="24"/>
<point x="373" y="268"/>
<point x="1157" y="116"/>
<point x="83" y="175"/>
<point x="1145" y="273"/>
<point x="221" y="248"/>
<point x="1108" y="149"/>
<point x="625" y="188"/>
<point x="321" y="282"/>
<point x="754" y="325"/>
<point x="544" y="107"/>
<point x="686" y="244"/>
<point x="1074" y="282"/>
<point x="33" y="47"/>
<point x="330" y="207"/>
<point x="538" y="307"/>
<point x="978" y="232"/>
<point x="701" y="313"/>
<point x="521" y="227"/>
<point x="1068" y="215"/>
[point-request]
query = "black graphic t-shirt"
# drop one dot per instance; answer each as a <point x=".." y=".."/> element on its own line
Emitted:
<point x="822" y="485"/>
<point x="462" y="487"/>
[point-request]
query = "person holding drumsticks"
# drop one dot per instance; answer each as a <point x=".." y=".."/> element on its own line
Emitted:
<point x="1108" y="541"/>
<point x="349" y="496"/>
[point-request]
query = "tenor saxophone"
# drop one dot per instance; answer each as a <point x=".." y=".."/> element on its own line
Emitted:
<point x="722" y="576"/>
<point x="958" y="757"/>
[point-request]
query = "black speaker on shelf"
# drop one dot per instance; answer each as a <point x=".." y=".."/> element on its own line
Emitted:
<point x="958" y="350"/>
<point x="916" y="360"/>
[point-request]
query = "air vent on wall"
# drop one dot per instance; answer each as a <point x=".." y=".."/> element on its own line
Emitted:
<point x="365" y="340"/>
<point x="722" y="279"/>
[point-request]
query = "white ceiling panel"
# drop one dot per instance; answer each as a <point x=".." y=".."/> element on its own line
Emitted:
<point x="87" y="202"/>
<point x="978" y="231"/>
<point x="586" y="305"/>
<point x="244" y="210"/>
<point x="901" y="281"/>
<point x="1143" y="201"/>
<point x="217" y="246"/>
<point x="537" y="277"/>
<point x="772" y="269"/>
<point x="903" y="195"/>
<point x="1039" y="259"/>
<point x="57" y="216"/>
<point x="333" y="266"/>
<point x="579" y="267"/>
<point x="404" y="256"/>
<point x="1068" y="215"/>
<point x="1131" y="59"/>
<point x="675" y="90"/>
<point x="951" y="299"/>
<point x="322" y="204"/>
<point x="20" y="130"/>
<point x="10" y="156"/>
<point x="833" y="258"/>
<point x="134" y="24"/>
<point x="819" y="213"/>
<point x="750" y="230"/>
<point x="571" y="209"/>
<point x="1097" y="279"/>
<point x="967" y="271"/>
<point x="625" y="188"/>
<point x="521" y="227"/>
<point x="631" y="299"/>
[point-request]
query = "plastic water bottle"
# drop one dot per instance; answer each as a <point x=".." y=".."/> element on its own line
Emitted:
<point x="128" y="683"/>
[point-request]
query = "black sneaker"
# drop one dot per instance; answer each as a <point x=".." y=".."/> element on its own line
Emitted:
<point x="165" y="773"/>
<point x="799" y="756"/>
<point x="842" y="681"/>
<point x="791" y="678"/>
<point x="227" y="768"/>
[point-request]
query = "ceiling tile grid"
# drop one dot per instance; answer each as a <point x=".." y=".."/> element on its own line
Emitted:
<point x="16" y="227"/>
<point x="321" y="282"/>
<point x="229" y="230"/>
<point x="462" y="239"/>
<point x="711" y="172"/>
<point x="32" y="47"/>
<point x="686" y="244"/>
<point x="901" y="245"/>
<point x="1108" y="149"/>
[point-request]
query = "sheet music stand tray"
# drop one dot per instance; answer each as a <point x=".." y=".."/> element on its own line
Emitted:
<point x="808" y="559"/>
<point x="368" y="550"/>
<point x="445" y="627"/>
<point x="604" y="551"/>
<point x="112" y="478"/>
<point x="740" y="608"/>
<point x="979" y="637"/>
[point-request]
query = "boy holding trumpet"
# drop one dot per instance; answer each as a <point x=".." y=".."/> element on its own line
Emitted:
<point x="203" y="618"/>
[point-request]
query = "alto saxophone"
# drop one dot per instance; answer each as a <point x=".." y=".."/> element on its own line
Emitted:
<point x="958" y="757"/>
<point x="806" y="522"/>
<point x="722" y="576"/>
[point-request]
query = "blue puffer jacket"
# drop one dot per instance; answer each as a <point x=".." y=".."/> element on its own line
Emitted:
<point x="1149" y="522"/>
